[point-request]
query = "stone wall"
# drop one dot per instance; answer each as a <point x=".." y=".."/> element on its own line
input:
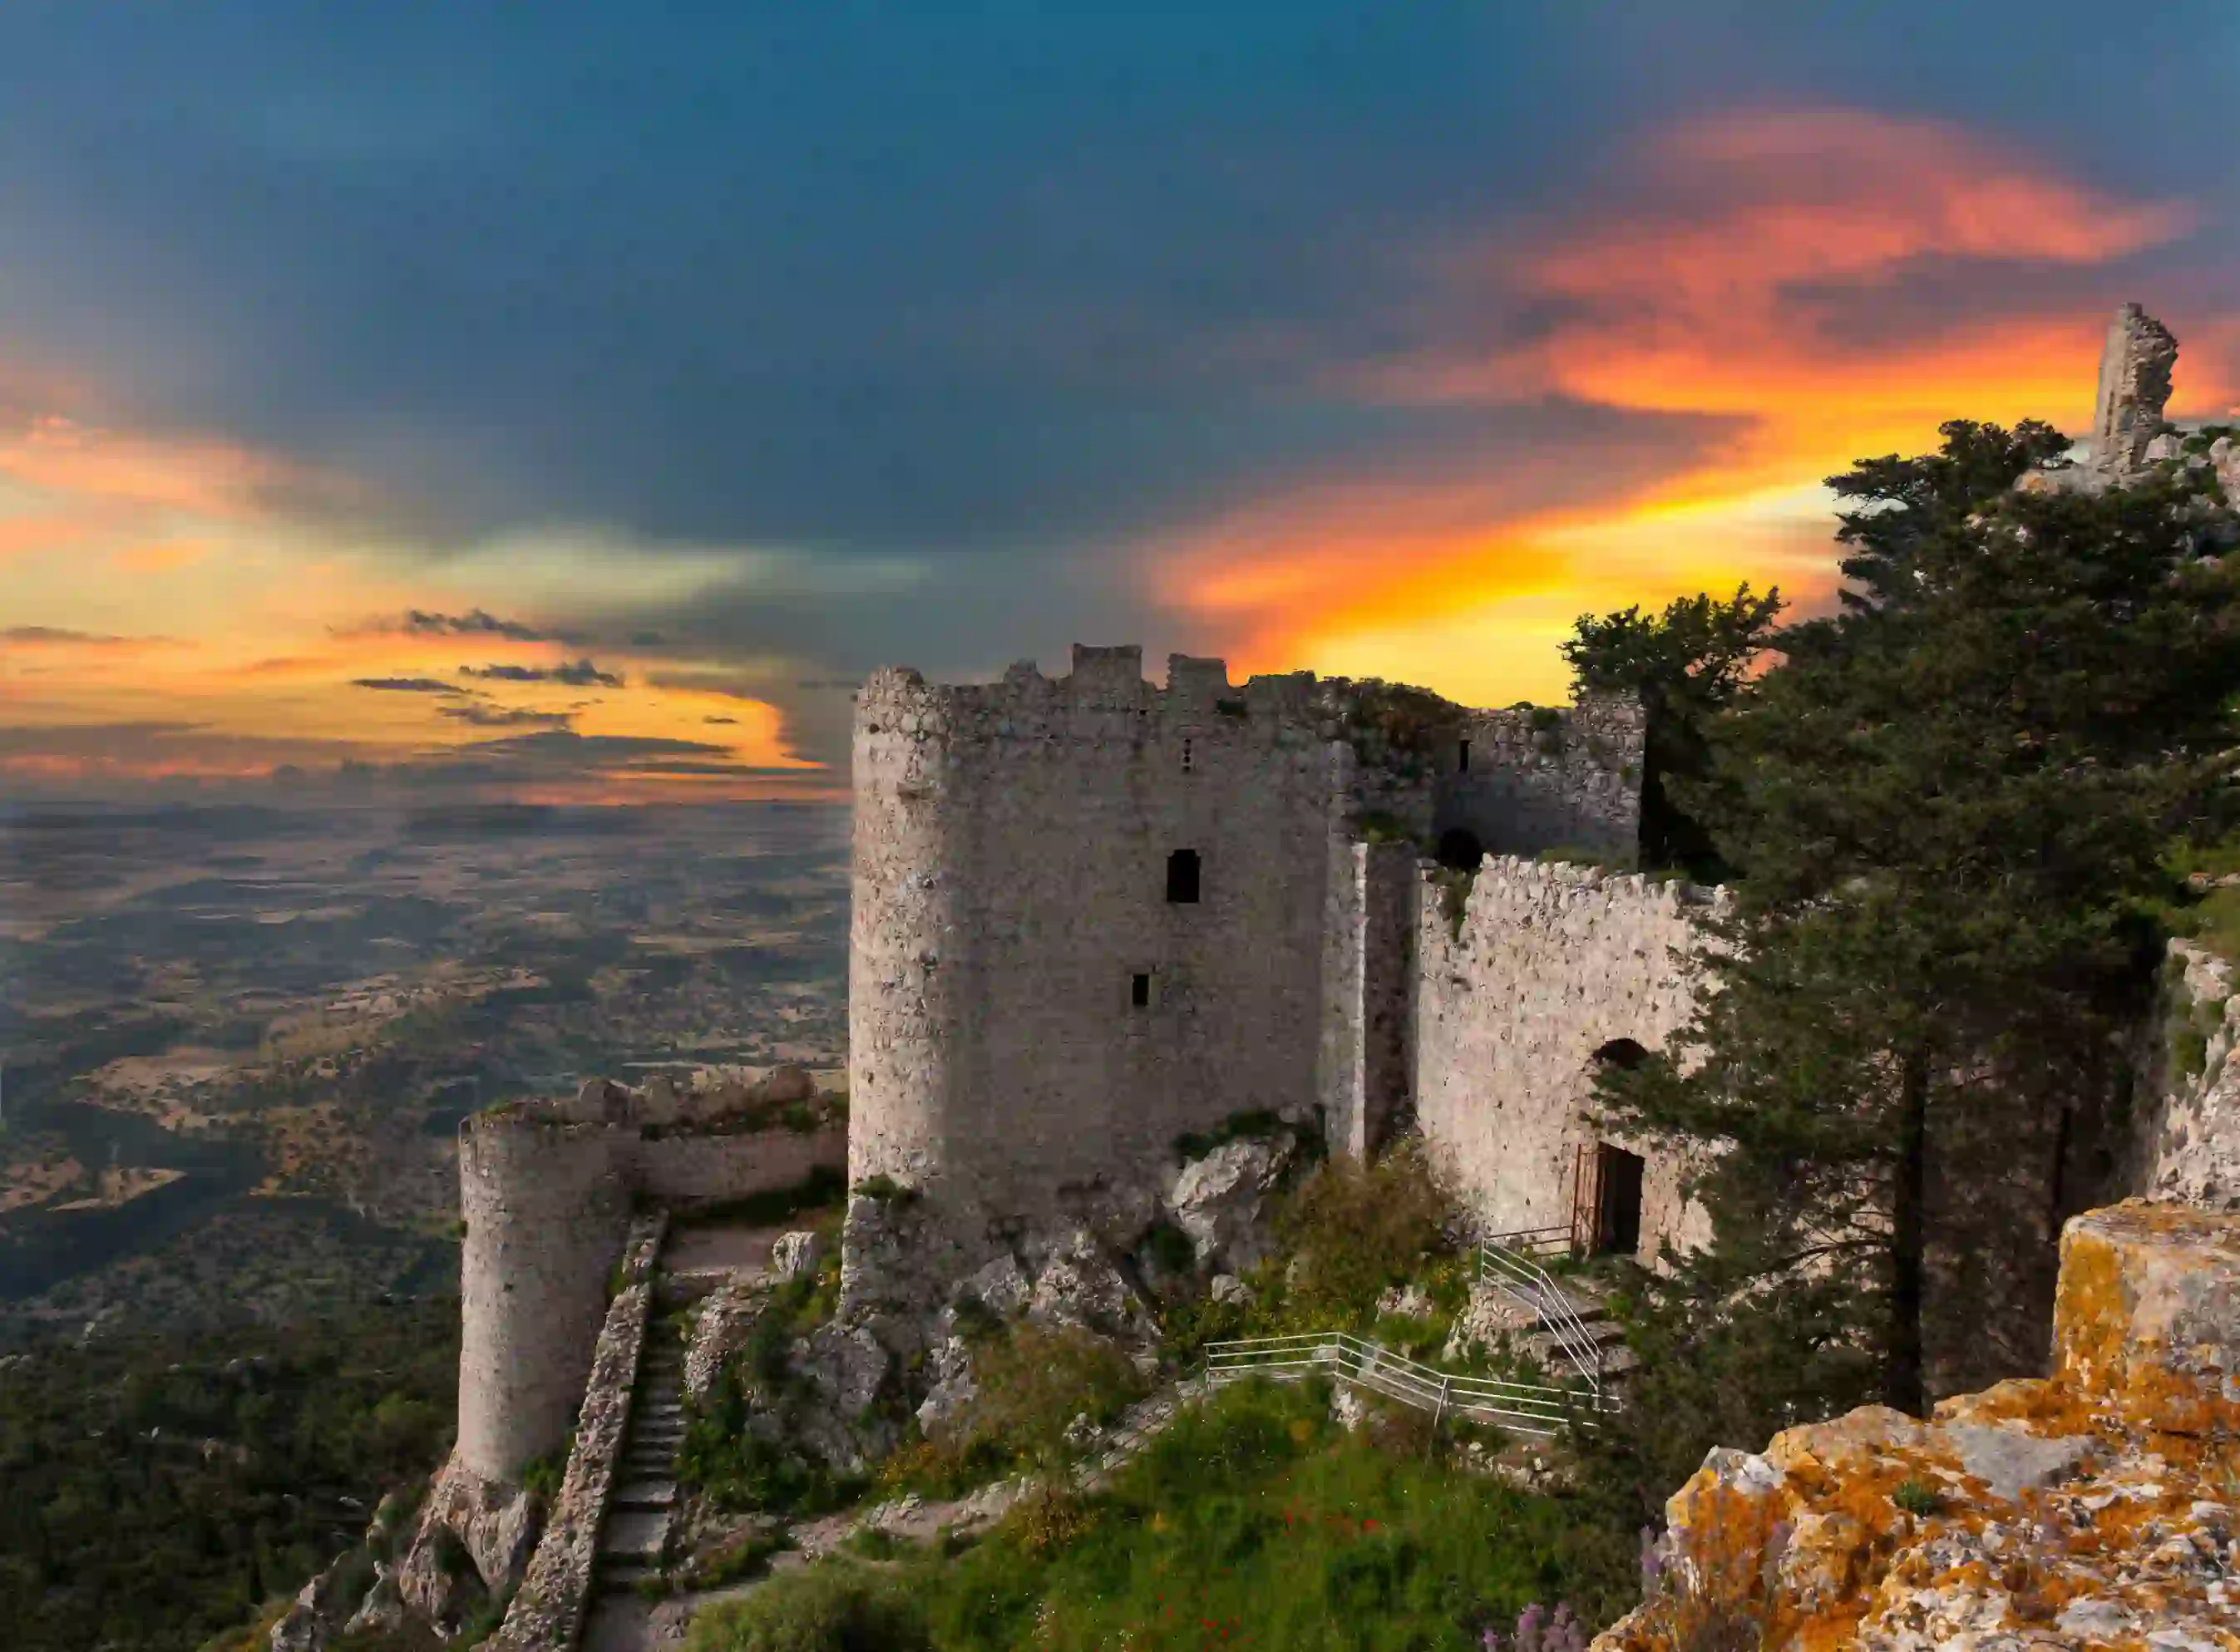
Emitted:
<point x="1031" y="1020"/>
<point x="1365" y="1083"/>
<point x="1551" y="964"/>
<point x="547" y="1613"/>
<point x="2185" y="1135"/>
<point x="547" y="1203"/>
<point x="1541" y="778"/>
<point x="2093" y="1508"/>
<point x="682" y="1169"/>
<point x="546" y="1207"/>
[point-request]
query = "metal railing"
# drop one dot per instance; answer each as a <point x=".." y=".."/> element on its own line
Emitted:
<point x="1557" y="1240"/>
<point x="1522" y="1408"/>
<point x="1525" y="1280"/>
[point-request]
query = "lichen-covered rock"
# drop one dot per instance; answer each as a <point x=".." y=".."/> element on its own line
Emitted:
<point x="2091" y="1509"/>
<point x="1221" y="1200"/>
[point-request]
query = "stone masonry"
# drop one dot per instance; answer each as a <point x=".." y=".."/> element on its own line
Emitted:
<point x="1040" y="1003"/>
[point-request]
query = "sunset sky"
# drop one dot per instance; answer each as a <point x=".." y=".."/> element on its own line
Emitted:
<point x="574" y="401"/>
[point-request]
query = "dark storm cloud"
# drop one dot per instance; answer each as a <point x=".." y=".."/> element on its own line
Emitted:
<point x="490" y="717"/>
<point x="580" y="674"/>
<point x="406" y="685"/>
<point x="1004" y="291"/>
<point x="475" y="622"/>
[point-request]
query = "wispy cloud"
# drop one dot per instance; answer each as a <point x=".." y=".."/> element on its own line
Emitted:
<point x="580" y="674"/>
<point x="406" y="685"/>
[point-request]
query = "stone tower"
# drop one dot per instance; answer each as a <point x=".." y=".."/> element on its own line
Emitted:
<point x="2135" y="385"/>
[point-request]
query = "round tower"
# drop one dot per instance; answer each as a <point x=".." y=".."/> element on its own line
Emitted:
<point x="902" y="932"/>
<point x="546" y="1213"/>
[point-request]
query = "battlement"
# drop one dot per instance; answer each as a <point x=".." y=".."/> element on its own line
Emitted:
<point x="897" y="698"/>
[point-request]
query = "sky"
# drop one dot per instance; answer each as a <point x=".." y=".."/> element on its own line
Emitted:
<point x="574" y="401"/>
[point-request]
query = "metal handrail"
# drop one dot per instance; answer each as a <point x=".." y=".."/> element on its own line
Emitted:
<point x="1524" y="1408"/>
<point x="1529" y="1242"/>
<point x="1532" y="1284"/>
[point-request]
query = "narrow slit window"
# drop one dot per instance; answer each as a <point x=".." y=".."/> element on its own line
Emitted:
<point x="1461" y="758"/>
<point x="1186" y="754"/>
<point x="1182" y="878"/>
<point x="1139" y="990"/>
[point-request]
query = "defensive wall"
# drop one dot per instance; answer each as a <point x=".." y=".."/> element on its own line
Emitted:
<point x="548" y="1197"/>
<point x="1091" y="914"/>
<point x="1546" y="972"/>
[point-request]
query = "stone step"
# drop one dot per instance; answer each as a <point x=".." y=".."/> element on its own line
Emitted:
<point x="644" y="1496"/>
<point x="633" y="1535"/>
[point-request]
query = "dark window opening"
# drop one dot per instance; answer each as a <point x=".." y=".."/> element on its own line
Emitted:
<point x="1139" y="991"/>
<point x="1461" y="758"/>
<point x="1182" y="878"/>
<point x="1459" y="849"/>
<point x="1622" y="1052"/>
<point x="1186" y="754"/>
<point x="1618" y="1214"/>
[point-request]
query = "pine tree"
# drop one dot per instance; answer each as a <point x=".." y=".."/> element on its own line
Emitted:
<point x="1686" y="664"/>
<point x="1951" y="802"/>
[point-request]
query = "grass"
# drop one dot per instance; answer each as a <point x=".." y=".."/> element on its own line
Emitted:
<point x="1255" y="1518"/>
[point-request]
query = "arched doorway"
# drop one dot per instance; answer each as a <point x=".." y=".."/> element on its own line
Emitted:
<point x="1459" y="849"/>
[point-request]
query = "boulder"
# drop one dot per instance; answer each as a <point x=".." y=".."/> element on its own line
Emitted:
<point x="1082" y="1286"/>
<point x="436" y="1586"/>
<point x="318" y="1611"/>
<point x="998" y="1286"/>
<point x="1221" y="1200"/>
<point x="1228" y="1287"/>
<point x="795" y="1254"/>
<point x="844" y="1367"/>
<point x="383" y="1609"/>
<point x="950" y="1398"/>
<point x="726" y="1319"/>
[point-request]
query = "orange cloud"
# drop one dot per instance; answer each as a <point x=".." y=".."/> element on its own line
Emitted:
<point x="162" y="555"/>
<point x="1744" y="269"/>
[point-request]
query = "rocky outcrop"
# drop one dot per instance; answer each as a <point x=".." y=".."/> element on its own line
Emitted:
<point x="493" y="1525"/>
<point x="2098" y="1507"/>
<point x="1221" y="1200"/>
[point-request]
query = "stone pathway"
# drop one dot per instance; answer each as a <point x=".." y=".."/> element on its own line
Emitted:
<point x="646" y="1494"/>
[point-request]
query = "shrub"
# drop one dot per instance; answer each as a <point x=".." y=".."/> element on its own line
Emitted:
<point x="1917" y="1499"/>
<point x="1455" y="885"/>
<point x="833" y="1607"/>
<point x="1034" y="1381"/>
<point x="1168" y="1247"/>
<point x="1354" y="1230"/>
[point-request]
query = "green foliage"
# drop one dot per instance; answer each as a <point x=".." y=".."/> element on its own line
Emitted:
<point x="161" y="1490"/>
<point x="1380" y="826"/>
<point x="1352" y="1230"/>
<point x="1167" y="1248"/>
<point x="1455" y="885"/>
<point x="1033" y="1381"/>
<point x="884" y="1187"/>
<point x="1231" y="708"/>
<point x="1254" y="1520"/>
<point x="1917" y="1499"/>
<point x="835" y="1606"/>
<point x="1686" y="665"/>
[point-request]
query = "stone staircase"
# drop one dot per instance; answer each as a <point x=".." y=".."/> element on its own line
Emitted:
<point x="635" y="1531"/>
<point x="1537" y="1339"/>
